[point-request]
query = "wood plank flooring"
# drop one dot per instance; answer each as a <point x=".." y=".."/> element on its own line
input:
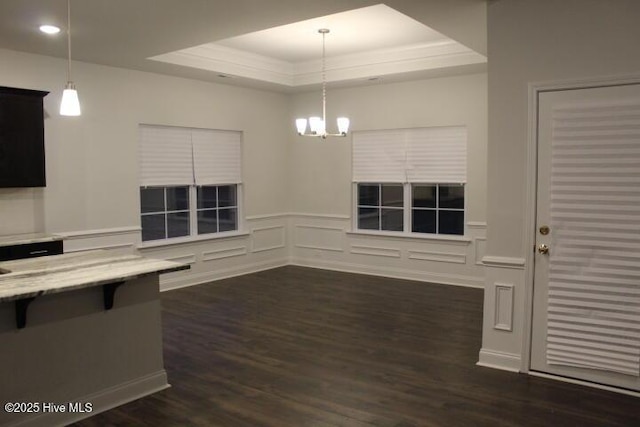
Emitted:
<point x="304" y="347"/>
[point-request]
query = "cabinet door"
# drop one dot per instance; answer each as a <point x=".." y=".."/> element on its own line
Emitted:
<point x="22" y="159"/>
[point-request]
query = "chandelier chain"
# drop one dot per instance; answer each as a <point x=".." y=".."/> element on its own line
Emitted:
<point x="324" y="80"/>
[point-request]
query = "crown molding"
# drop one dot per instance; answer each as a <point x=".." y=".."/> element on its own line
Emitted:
<point x="382" y="62"/>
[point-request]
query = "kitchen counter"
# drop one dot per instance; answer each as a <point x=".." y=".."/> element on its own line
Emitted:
<point x="78" y="328"/>
<point x="23" y="239"/>
<point x="27" y="278"/>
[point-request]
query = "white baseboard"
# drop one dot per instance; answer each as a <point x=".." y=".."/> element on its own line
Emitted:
<point x="422" y="276"/>
<point x="499" y="360"/>
<point x="102" y="401"/>
<point x="185" y="279"/>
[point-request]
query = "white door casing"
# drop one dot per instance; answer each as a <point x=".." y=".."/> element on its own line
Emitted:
<point x="586" y="297"/>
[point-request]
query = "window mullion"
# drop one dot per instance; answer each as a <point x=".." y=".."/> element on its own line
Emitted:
<point x="380" y="207"/>
<point x="193" y="210"/>
<point x="166" y="215"/>
<point x="406" y="207"/>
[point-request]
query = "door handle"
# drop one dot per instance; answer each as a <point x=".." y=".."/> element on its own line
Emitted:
<point x="543" y="249"/>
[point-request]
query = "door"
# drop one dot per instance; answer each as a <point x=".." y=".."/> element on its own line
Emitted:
<point x="586" y="309"/>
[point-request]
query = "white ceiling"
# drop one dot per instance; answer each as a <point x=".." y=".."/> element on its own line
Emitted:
<point x="373" y="42"/>
<point x="272" y="44"/>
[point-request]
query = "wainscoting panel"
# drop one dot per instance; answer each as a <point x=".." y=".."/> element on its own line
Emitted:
<point x="321" y="237"/>
<point x="122" y="239"/>
<point x="451" y="257"/>
<point x="440" y="260"/>
<point x="503" y="341"/>
<point x="268" y="238"/>
<point x="263" y="247"/>
<point x="503" y="316"/>
<point x="224" y="253"/>
<point x="376" y="251"/>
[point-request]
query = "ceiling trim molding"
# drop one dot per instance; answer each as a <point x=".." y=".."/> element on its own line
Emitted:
<point x="382" y="62"/>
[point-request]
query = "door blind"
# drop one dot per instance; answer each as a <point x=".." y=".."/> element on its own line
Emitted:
<point x="594" y="275"/>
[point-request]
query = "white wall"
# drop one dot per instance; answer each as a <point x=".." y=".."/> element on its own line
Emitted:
<point x="532" y="42"/>
<point x="92" y="194"/>
<point x="321" y="179"/>
<point x="297" y="192"/>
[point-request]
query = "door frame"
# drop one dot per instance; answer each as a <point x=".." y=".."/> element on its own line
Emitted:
<point x="531" y="189"/>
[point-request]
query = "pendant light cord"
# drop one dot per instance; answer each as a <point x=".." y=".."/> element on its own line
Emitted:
<point x="69" y="40"/>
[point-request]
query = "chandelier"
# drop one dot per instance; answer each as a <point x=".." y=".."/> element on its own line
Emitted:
<point x="317" y="125"/>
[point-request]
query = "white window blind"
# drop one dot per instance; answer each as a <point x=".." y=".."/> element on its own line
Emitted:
<point x="594" y="279"/>
<point x="427" y="155"/>
<point x="184" y="156"/>
<point x="216" y="157"/>
<point x="379" y="156"/>
<point x="437" y="154"/>
<point x="165" y="156"/>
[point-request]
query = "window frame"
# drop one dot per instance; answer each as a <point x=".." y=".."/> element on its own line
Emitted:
<point x="408" y="214"/>
<point x="193" y="219"/>
<point x="198" y="157"/>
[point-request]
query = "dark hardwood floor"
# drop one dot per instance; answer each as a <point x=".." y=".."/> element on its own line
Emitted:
<point x="304" y="347"/>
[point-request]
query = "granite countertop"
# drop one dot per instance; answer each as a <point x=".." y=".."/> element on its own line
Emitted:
<point x="23" y="239"/>
<point x="32" y="277"/>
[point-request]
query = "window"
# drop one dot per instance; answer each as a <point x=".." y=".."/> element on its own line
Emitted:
<point x="380" y="207"/>
<point x="410" y="180"/>
<point x="164" y="212"/>
<point x="437" y="209"/>
<point x="217" y="208"/>
<point x="189" y="182"/>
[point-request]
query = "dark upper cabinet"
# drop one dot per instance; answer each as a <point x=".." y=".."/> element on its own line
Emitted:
<point x="22" y="160"/>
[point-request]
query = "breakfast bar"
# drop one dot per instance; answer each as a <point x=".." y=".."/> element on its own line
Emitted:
<point x="83" y="327"/>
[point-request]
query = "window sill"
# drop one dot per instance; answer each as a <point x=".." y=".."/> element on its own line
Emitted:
<point x="191" y="239"/>
<point x="414" y="236"/>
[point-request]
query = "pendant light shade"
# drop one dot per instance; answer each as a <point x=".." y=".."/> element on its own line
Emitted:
<point x="317" y="125"/>
<point x="70" y="104"/>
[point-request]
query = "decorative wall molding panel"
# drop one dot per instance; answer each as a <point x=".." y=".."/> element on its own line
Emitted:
<point x="224" y="253"/>
<point x="376" y="251"/>
<point x="480" y="245"/>
<point x="319" y="237"/>
<point x="438" y="256"/>
<point x="123" y="238"/>
<point x="503" y="315"/>
<point x="268" y="238"/>
<point x="313" y="240"/>
<point x="503" y="262"/>
<point x="184" y="259"/>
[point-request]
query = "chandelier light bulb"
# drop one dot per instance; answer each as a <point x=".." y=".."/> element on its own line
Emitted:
<point x="317" y="125"/>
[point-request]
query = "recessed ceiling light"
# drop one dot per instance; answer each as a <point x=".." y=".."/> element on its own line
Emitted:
<point x="49" y="29"/>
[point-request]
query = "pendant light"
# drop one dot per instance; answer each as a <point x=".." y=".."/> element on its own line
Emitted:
<point x="317" y="125"/>
<point x="70" y="105"/>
